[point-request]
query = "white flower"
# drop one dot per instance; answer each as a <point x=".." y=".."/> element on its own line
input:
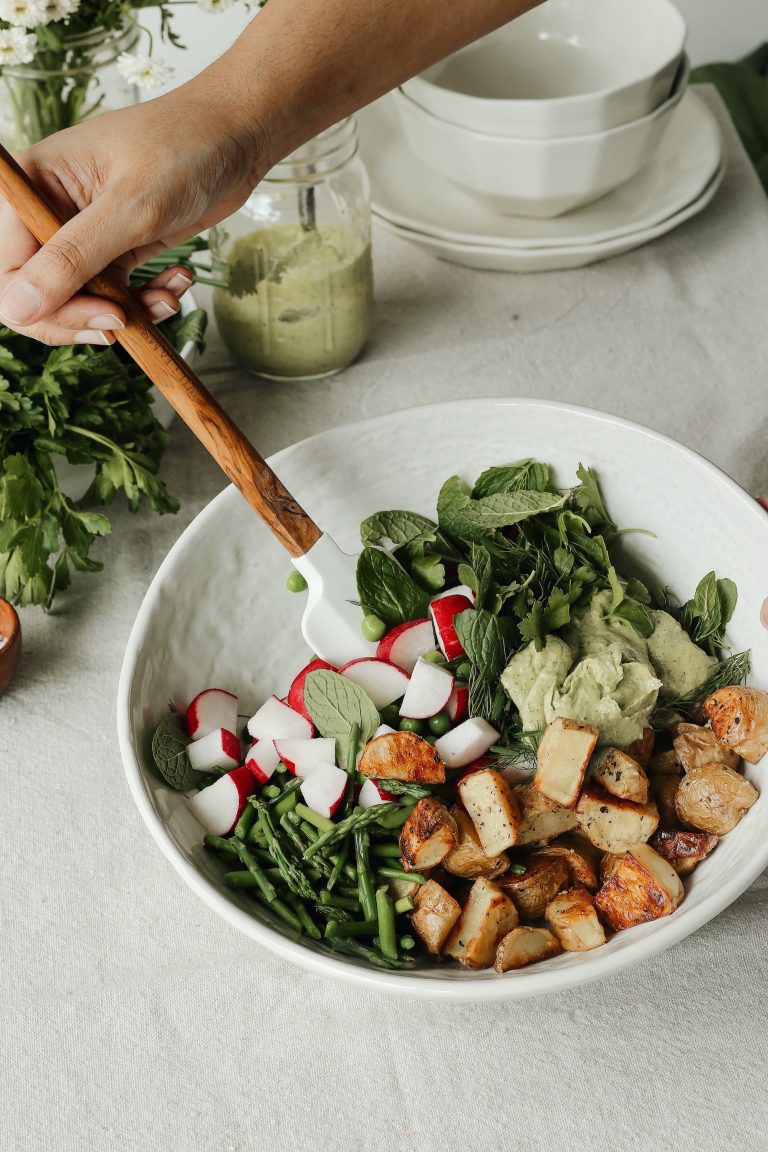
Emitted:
<point x="59" y="9"/>
<point x="22" y="13"/>
<point x="215" y="5"/>
<point x="16" y="47"/>
<point x="143" y="70"/>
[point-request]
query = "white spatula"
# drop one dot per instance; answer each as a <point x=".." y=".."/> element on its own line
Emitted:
<point x="332" y="618"/>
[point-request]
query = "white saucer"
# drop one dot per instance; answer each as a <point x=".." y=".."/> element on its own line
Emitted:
<point x="409" y="194"/>
<point x="501" y="258"/>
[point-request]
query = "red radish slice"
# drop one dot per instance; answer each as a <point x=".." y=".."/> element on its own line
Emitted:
<point x="295" y="697"/>
<point x="262" y="759"/>
<point x="459" y="590"/>
<point x="276" y="721"/>
<point x="219" y="749"/>
<point x="382" y="730"/>
<point x="458" y="705"/>
<point x="372" y="793"/>
<point x="382" y="681"/>
<point x="443" y="612"/>
<point x="404" y="644"/>
<point x="301" y="757"/>
<point x="220" y="806"/>
<point x="324" y="789"/>
<point x="466" y="743"/>
<point x="214" y="708"/>
<point x="428" y="692"/>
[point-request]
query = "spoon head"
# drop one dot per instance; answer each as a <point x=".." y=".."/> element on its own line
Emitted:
<point x="333" y="617"/>
<point x="10" y="643"/>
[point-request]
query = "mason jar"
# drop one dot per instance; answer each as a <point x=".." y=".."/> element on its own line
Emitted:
<point x="297" y="263"/>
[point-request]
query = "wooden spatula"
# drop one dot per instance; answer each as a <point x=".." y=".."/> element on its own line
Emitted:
<point x="332" y="618"/>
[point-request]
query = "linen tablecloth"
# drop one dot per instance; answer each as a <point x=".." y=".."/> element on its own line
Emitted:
<point x="132" y="1018"/>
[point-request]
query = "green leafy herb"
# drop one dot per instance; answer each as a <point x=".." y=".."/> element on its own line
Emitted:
<point x="169" y="752"/>
<point x="386" y="590"/>
<point x="733" y="670"/>
<point x="706" y="616"/>
<point x="399" y="527"/>
<point x="636" y="614"/>
<point x="526" y="474"/>
<point x="590" y="501"/>
<point x="336" y="705"/>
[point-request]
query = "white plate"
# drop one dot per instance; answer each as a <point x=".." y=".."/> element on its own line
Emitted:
<point x="233" y="624"/>
<point x="408" y="193"/>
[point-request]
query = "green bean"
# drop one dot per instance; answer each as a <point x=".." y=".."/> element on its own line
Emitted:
<point x="339" y="863"/>
<point x="386" y="849"/>
<point x="265" y="886"/>
<point x="282" y="794"/>
<point x="361" y="952"/>
<point x="286" y="803"/>
<point x="270" y="792"/>
<point x="399" y="874"/>
<point x="330" y="901"/>
<point x="344" y="928"/>
<point x="386" y="914"/>
<point x="404" y="904"/>
<point x="364" y="878"/>
<point x="255" y="836"/>
<point x="240" y="880"/>
<point x="394" y="820"/>
<point x="314" y="818"/>
<point x="351" y="766"/>
<point x="285" y="913"/>
<point x="219" y="844"/>
<point x="244" y="823"/>
<point x="352" y="823"/>
<point x="310" y="928"/>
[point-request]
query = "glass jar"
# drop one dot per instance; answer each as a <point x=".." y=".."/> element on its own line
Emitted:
<point x="297" y="261"/>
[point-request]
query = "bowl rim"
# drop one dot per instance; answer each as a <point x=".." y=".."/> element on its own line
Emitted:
<point x="529" y="981"/>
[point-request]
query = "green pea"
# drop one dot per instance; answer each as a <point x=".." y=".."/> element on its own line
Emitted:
<point x="464" y="670"/>
<point x="373" y="628"/>
<point x="296" y="582"/>
<point x="435" y="658"/>
<point x="430" y="738"/>
<point x="390" y="715"/>
<point x="440" y="724"/>
<point x="408" y="725"/>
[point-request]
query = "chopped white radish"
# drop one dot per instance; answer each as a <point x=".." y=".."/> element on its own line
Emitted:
<point x="466" y="742"/>
<point x="382" y="681"/>
<point x="276" y="721"/>
<point x="458" y="705"/>
<point x="219" y="806"/>
<point x="403" y="644"/>
<point x="214" y="708"/>
<point x="295" y="697"/>
<point x="428" y="692"/>
<point x="262" y="759"/>
<point x="372" y="793"/>
<point x="459" y="590"/>
<point x="301" y="757"/>
<point x="443" y="613"/>
<point x="219" y="749"/>
<point x="324" y="789"/>
<point x="382" y="730"/>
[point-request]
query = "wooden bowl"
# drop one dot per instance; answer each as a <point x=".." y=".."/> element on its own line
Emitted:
<point x="10" y="643"/>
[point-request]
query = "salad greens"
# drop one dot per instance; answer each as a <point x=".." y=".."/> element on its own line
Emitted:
<point x="340" y="709"/>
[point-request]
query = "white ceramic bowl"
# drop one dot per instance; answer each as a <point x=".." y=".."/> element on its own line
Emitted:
<point x="232" y="623"/>
<point x="568" y="68"/>
<point x="541" y="178"/>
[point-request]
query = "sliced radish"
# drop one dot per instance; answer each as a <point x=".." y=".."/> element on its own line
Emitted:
<point x="276" y="721"/>
<point x="404" y="644"/>
<point x="219" y="749"/>
<point x="443" y="612"/>
<point x="466" y="743"/>
<point x="382" y="681"/>
<point x="214" y="708"/>
<point x="458" y="705"/>
<point x="372" y="793"/>
<point x="324" y="789"/>
<point x="459" y="590"/>
<point x="382" y="730"/>
<point x="301" y="757"/>
<point x="262" y="759"/>
<point x="219" y="806"/>
<point x="295" y="697"/>
<point x="428" y="692"/>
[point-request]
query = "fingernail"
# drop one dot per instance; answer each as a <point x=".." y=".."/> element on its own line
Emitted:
<point x="87" y="337"/>
<point x="107" y="322"/>
<point x="161" y="310"/>
<point x="179" y="283"/>
<point x="764" y="614"/>
<point x="20" y="302"/>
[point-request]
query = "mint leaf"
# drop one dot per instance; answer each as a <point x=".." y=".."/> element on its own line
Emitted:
<point x="336" y="705"/>
<point x="728" y="595"/>
<point x="399" y="527"/>
<point x="169" y="752"/>
<point x="504" y="509"/>
<point x="637" y="615"/>
<point x="525" y="474"/>
<point x="485" y="639"/>
<point x="386" y="590"/>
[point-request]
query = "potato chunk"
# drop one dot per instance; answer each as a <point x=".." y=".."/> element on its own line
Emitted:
<point x="620" y="774"/>
<point x="435" y="914"/>
<point x="487" y="915"/>
<point x="468" y="858"/>
<point x="642" y="887"/>
<point x="523" y="946"/>
<point x="696" y="746"/>
<point x="428" y="835"/>
<point x="402" y="756"/>
<point x="642" y="749"/>
<point x="713" y="799"/>
<point x="614" y="825"/>
<point x="492" y="809"/>
<point x="665" y="764"/>
<point x="573" y="919"/>
<point x="684" y="850"/>
<point x="541" y="818"/>
<point x="739" y="718"/>
<point x="664" y="790"/>
<point x="533" y="889"/>
<point x="562" y="759"/>
<point x="579" y="854"/>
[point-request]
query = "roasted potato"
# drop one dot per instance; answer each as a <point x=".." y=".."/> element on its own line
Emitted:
<point x="487" y="915"/>
<point x="609" y="864"/>
<point x="579" y="854"/>
<point x="642" y="749"/>
<point x="739" y="719"/>
<point x="401" y="888"/>
<point x="541" y="819"/>
<point x="695" y="746"/>
<point x="573" y="919"/>
<point x="523" y="946"/>
<point x="428" y="835"/>
<point x="467" y="858"/>
<point x="614" y="825"/>
<point x="664" y="790"/>
<point x="643" y="886"/>
<point x="562" y="759"/>
<point x="620" y="774"/>
<point x="665" y="764"/>
<point x="713" y="799"/>
<point x="684" y="850"/>
<point x="402" y="756"/>
<point x="533" y="889"/>
<point x="434" y="915"/>
<point x="492" y="808"/>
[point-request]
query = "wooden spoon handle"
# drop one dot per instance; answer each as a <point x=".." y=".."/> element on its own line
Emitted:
<point x="176" y="380"/>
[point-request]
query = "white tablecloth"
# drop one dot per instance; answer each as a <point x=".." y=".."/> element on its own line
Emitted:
<point x="132" y="1018"/>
